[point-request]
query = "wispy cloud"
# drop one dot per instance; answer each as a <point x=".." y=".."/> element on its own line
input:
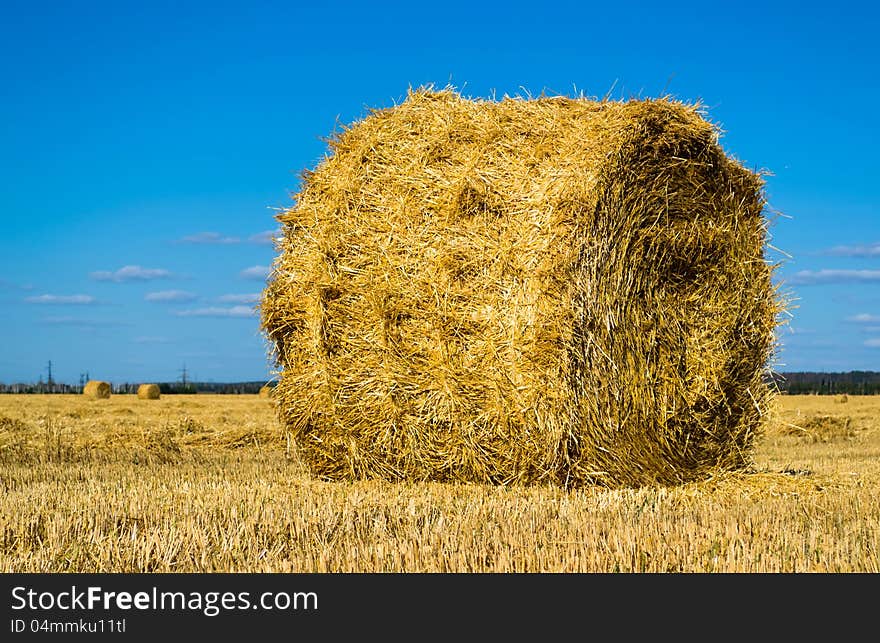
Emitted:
<point x="131" y="273"/>
<point x="265" y="238"/>
<point x="170" y="296"/>
<point x="250" y="298"/>
<point x="217" y="311"/>
<point x="255" y="272"/>
<point x="809" y="342"/>
<point x="151" y="340"/>
<point x="67" y="321"/>
<point x="81" y="323"/>
<point x="864" y="318"/>
<point x="873" y="343"/>
<point x="65" y="300"/>
<point x="209" y="238"/>
<point x="9" y="285"/>
<point x="861" y="250"/>
<point x="810" y="277"/>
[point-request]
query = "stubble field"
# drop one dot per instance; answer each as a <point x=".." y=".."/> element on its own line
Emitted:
<point x="210" y="483"/>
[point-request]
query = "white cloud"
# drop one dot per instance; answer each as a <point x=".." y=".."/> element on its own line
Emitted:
<point x="864" y="318"/>
<point x="873" y="343"/>
<point x="216" y="311"/>
<point x="209" y="238"/>
<point x="808" y="277"/>
<point x="61" y="299"/>
<point x="255" y="272"/>
<point x="862" y="250"/>
<point x="170" y="296"/>
<point x="131" y="273"/>
<point x="250" y="298"/>
<point x="265" y="238"/>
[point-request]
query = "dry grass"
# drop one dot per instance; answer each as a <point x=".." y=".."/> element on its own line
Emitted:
<point x="177" y="428"/>
<point x="207" y="483"/>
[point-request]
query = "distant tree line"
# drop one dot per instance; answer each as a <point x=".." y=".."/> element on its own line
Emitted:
<point x="167" y="388"/>
<point x="225" y="388"/>
<point x="810" y="383"/>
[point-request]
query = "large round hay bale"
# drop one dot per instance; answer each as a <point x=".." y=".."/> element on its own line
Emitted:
<point x="149" y="392"/>
<point x="550" y="290"/>
<point x="96" y="390"/>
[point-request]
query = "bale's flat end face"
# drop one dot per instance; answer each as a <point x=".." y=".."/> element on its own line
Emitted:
<point x="528" y="291"/>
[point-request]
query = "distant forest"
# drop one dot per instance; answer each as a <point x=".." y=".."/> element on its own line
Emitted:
<point x="795" y="383"/>
<point x="807" y="383"/>
<point x="168" y="388"/>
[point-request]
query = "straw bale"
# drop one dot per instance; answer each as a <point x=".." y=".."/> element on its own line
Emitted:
<point x="266" y="391"/>
<point x="96" y="390"/>
<point x="149" y="392"/>
<point x="537" y="291"/>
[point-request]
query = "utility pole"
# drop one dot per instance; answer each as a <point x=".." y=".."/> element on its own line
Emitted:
<point x="50" y="382"/>
<point x="183" y="377"/>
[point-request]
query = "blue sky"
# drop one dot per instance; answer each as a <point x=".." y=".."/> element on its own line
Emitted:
<point x="147" y="146"/>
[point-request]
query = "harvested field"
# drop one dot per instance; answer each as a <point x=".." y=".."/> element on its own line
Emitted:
<point x="207" y="483"/>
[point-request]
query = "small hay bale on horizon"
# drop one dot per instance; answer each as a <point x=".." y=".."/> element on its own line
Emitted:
<point x="97" y="390"/>
<point x="526" y="291"/>
<point x="149" y="392"/>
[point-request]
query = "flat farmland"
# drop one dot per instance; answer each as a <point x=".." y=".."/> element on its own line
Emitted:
<point x="211" y="483"/>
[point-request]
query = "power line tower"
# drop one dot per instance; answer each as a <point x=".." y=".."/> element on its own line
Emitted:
<point x="183" y="378"/>
<point x="50" y="383"/>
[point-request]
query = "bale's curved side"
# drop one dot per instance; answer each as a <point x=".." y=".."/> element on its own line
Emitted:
<point x="551" y="290"/>
<point x="149" y="392"/>
<point x="96" y="390"/>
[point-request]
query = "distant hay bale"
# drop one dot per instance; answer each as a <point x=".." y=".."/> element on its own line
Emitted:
<point x="96" y="390"/>
<point x="842" y="399"/>
<point x="266" y="391"/>
<point x="549" y="290"/>
<point x="149" y="392"/>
